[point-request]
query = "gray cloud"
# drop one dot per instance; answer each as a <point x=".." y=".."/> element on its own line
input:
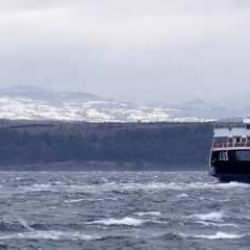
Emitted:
<point x="152" y="51"/>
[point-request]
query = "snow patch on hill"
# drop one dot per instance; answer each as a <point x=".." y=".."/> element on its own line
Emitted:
<point x="81" y="107"/>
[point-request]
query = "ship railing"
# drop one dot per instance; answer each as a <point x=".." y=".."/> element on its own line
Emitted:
<point x="231" y="145"/>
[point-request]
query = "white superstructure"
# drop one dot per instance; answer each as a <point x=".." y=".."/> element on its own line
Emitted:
<point x="229" y="136"/>
<point x="233" y="130"/>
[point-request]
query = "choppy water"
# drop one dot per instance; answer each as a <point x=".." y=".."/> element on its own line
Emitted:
<point x="122" y="210"/>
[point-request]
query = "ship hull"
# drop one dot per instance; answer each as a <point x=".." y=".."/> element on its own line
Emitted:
<point x="232" y="168"/>
<point x="230" y="151"/>
<point x="226" y="176"/>
<point x="233" y="178"/>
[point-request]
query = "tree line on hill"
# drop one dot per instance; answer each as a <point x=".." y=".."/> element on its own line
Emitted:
<point x="155" y="145"/>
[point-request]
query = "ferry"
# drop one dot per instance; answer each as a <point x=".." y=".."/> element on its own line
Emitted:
<point x="230" y="152"/>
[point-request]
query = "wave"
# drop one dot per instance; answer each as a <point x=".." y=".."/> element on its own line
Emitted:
<point x="22" y="222"/>
<point x="175" y="186"/>
<point x="130" y="187"/>
<point x="206" y="223"/>
<point x="74" y="201"/>
<point x="37" y="188"/>
<point x="183" y="195"/>
<point x="217" y="236"/>
<point x="150" y="213"/>
<point x="127" y="221"/>
<point x="212" y="216"/>
<point x="232" y="184"/>
<point x="62" y="187"/>
<point x="49" y="235"/>
<point x="90" y="199"/>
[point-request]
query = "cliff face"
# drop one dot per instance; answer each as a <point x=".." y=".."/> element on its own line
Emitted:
<point x="134" y="146"/>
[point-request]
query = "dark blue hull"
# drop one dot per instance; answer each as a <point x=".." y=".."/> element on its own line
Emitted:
<point x="232" y="168"/>
<point x="231" y="177"/>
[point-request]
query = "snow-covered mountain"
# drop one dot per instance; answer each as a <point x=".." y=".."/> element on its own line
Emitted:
<point x="31" y="103"/>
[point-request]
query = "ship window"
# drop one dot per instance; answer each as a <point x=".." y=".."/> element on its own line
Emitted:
<point x="243" y="155"/>
<point x="223" y="156"/>
<point x="219" y="156"/>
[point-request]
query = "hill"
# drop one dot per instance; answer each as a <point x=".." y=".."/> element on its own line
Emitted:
<point x="32" y="103"/>
<point x="79" y="145"/>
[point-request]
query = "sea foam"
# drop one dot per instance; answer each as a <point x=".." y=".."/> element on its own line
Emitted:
<point x="179" y="186"/>
<point x="150" y="213"/>
<point x="49" y="235"/>
<point x="215" y="224"/>
<point x="182" y="196"/>
<point x="218" y="236"/>
<point x="129" y="187"/>
<point x="127" y="221"/>
<point x="212" y="216"/>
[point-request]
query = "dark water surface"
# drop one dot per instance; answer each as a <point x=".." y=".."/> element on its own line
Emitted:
<point x="122" y="210"/>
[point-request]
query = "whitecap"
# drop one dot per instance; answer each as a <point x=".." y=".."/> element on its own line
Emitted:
<point x="127" y="221"/>
<point x="218" y="236"/>
<point x="92" y="188"/>
<point x="37" y="188"/>
<point x="158" y="186"/>
<point x="74" y="201"/>
<point x="49" y="235"/>
<point x="212" y="216"/>
<point x="131" y="187"/>
<point x="183" y="195"/>
<point x="206" y="223"/>
<point x="232" y="184"/>
<point x="84" y="199"/>
<point x="150" y="213"/>
<point x="19" y="178"/>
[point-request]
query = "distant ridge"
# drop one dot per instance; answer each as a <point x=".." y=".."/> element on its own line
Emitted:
<point x="32" y="103"/>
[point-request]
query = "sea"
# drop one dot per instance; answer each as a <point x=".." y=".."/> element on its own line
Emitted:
<point x="122" y="210"/>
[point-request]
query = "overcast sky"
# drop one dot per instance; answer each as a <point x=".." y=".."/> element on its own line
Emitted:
<point x="157" y="51"/>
